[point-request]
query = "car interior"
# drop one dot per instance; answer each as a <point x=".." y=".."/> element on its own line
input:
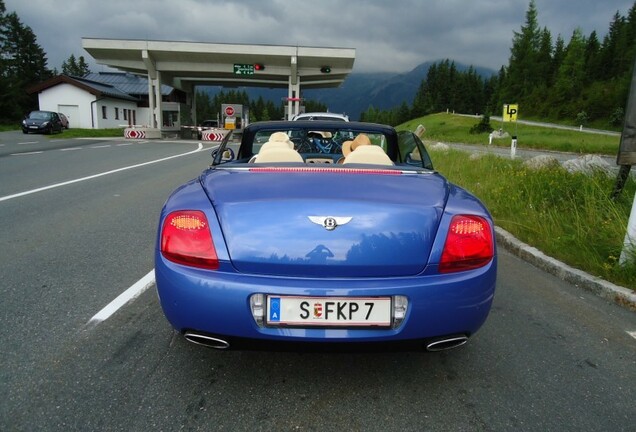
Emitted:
<point x="337" y="147"/>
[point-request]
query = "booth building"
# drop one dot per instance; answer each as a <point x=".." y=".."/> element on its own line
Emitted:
<point x="156" y="87"/>
<point x="109" y="100"/>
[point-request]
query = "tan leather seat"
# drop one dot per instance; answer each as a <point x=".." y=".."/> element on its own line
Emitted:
<point x="281" y="148"/>
<point x="368" y="154"/>
<point x="273" y="144"/>
<point x="278" y="154"/>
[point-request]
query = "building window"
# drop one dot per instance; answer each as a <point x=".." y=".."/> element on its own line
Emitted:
<point x="116" y="113"/>
<point x="104" y="112"/>
<point x="125" y="114"/>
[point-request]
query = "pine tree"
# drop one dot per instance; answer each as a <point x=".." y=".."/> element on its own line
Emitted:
<point x="522" y="70"/>
<point x="571" y="75"/>
<point x="593" y="58"/>
<point x="23" y="63"/>
<point x="74" y="67"/>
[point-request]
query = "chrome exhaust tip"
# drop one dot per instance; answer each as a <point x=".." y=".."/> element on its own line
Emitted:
<point x="446" y="343"/>
<point x="207" y="341"/>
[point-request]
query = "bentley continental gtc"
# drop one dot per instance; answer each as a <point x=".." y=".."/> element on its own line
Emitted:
<point x="324" y="235"/>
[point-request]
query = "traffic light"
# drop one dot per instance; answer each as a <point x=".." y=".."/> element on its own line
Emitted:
<point x="325" y="69"/>
<point x="259" y="66"/>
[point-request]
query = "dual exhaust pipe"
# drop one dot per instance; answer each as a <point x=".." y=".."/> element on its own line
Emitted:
<point x="440" y="344"/>
<point x="208" y="341"/>
<point x="446" y="343"/>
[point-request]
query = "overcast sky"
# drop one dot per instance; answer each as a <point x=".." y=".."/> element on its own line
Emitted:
<point x="394" y="35"/>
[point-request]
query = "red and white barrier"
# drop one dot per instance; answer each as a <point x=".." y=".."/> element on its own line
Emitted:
<point x="134" y="134"/>
<point x="213" y="135"/>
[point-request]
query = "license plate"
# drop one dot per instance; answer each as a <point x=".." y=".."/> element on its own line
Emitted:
<point x="329" y="311"/>
<point x="33" y="127"/>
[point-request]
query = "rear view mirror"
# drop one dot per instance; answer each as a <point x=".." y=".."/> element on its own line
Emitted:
<point x="226" y="156"/>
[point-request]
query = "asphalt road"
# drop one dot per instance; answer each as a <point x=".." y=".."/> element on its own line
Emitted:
<point x="550" y="356"/>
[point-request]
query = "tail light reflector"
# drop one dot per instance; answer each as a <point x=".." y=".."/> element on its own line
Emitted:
<point x="186" y="239"/>
<point x="469" y="244"/>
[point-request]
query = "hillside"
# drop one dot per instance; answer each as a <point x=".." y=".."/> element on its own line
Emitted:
<point x="361" y="90"/>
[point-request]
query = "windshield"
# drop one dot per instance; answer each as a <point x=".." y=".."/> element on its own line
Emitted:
<point x="338" y="143"/>
<point x="39" y="115"/>
<point x="319" y="117"/>
<point x="319" y="141"/>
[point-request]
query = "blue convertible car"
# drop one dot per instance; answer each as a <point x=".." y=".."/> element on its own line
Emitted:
<point x="328" y="235"/>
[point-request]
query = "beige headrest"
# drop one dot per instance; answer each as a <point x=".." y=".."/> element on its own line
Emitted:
<point x="281" y="137"/>
<point x="349" y="146"/>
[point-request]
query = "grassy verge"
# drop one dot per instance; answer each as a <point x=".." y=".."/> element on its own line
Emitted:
<point x="91" y="133"/>
<point x="567" y="216"/>
<point x="453" y="128"/>
<point x="75" y="133"/>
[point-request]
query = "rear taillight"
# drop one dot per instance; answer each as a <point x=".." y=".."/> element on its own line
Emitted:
<point x="469" y="244"/>
<point x="186" y="239"/>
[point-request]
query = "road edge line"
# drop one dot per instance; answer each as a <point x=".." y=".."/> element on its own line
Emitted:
<point x="122" y="299"/>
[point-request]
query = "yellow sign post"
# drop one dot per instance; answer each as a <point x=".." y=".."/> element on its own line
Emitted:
<point x="510" y="113"/>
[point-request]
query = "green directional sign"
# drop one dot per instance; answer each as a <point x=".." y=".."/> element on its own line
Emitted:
<point x="243" y="69"/>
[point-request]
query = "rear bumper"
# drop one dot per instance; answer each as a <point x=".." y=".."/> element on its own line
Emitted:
<point x="223" y="342"/>
<point x="218" y="304"/>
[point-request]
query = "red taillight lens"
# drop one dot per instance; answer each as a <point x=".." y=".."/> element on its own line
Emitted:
<point x="469" y="244"/>
<point x="186" y="239"/>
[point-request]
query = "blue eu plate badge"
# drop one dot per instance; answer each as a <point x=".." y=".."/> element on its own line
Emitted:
<point x="274" y="309"/>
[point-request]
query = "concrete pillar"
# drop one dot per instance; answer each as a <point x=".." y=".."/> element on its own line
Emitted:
<point x="193" y="105"/>
<point x="151" y="102"/>
<point x="158" y="102"/>
<point x="293" y="92"/>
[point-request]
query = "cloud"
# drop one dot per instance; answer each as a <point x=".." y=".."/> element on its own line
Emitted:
<point x="388" y="36"/>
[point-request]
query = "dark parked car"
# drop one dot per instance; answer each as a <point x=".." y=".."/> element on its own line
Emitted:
<point x="205" y="125"/>
<point x="64" y="120"/>
<point x="42" y="121"/>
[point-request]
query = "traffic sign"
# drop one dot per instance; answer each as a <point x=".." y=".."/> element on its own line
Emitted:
<point x="510" y="113"/>
<point x="243" y="69"/>
<point x="229" y="111"/>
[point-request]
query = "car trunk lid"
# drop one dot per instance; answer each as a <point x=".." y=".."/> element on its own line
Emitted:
<point x="327" y="222"/>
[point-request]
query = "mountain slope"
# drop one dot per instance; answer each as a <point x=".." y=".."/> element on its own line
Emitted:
<point x="362" y="90"/>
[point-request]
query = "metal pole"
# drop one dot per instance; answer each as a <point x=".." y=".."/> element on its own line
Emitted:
<point x="621" y="179"/>
<point x="629" y="244"/>
<point x="627" y="156"/>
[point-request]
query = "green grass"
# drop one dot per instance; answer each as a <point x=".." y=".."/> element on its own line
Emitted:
<point x="453" y="128"/>
<point x="90" y="133"/>
<point x="567" y="216"/>
<point x="75" y="133"/>
<point x="7" y="128"/>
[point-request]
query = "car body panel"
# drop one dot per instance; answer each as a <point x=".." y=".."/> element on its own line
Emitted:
<point x="64" y="120"/>
<point x="268" y="229"/>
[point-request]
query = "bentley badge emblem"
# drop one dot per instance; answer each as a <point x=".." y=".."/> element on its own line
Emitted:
<point x="330" y="222"/>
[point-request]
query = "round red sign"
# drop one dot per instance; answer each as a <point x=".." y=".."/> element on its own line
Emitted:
<point x="229" y="111"/>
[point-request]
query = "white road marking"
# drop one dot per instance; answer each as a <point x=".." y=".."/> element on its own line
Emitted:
<point x="8" y="197"/>
<point x="130" y="294"/>
<point x="26" y="153"/>
<point x="632" y="334"/>
<point x="30" y="142"/>
<point x="123" y="144"/>
<point x="100" y="146"/>
<point x="71" y="149"/>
